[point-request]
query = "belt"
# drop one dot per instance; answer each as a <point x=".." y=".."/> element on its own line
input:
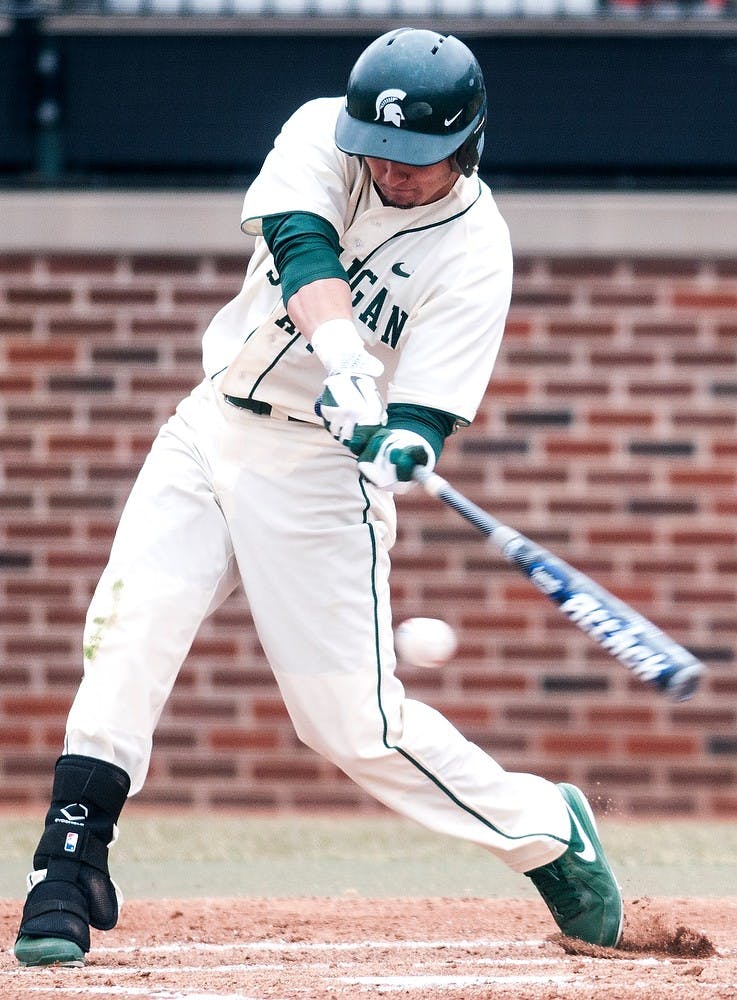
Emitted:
<point x="263" y="409"/>
<point x="254" y="405"/>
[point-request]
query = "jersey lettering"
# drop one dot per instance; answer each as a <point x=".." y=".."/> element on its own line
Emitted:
<point x="394" y="327"/>
<point x="353" y="269"/>
<point x="354" y="284"/>
<point x="286" y="324"/>
<point x="370" y="315"/>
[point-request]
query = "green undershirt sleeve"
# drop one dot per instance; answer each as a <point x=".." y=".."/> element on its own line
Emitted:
<point x="305" y="248"/>
<point x="434" y="425"/>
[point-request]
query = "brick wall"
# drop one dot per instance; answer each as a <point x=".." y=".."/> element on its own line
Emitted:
<point x="608" y="434"/>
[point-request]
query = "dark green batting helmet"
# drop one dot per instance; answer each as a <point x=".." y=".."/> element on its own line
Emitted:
<point x="415" y="96"/>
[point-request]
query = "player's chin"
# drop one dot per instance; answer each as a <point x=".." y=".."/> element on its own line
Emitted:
<point x="399" y="199"/>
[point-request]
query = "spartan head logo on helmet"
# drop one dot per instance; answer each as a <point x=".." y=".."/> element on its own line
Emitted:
<point x="388" y="108"/>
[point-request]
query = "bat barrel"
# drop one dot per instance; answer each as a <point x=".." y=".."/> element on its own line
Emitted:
<point x="637" y="643"/>
<point x="627" y="635"/>
<point x="681" y="682"/>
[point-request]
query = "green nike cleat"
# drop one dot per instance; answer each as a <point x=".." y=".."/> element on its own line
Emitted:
<point x="48" y="951"/>
<point x="579" y="887"/>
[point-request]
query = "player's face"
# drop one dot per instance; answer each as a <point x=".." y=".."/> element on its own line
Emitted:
<point x="403" y="186"/>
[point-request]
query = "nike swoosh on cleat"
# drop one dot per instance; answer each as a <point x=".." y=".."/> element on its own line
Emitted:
<point x="449" y="121"/>
<point x="588" y="853"/>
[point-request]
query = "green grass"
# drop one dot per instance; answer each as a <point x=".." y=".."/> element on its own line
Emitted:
<point x="201" y="855"/>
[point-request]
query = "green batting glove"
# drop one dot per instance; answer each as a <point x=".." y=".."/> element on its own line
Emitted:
<point x="391" y="456"/>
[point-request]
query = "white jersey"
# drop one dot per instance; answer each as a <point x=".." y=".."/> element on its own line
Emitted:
<point x="431" y="285"/>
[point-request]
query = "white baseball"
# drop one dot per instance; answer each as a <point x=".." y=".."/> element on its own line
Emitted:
<point x="425" y="642"/>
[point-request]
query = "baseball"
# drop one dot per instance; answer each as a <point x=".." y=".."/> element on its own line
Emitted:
<point x="425" y="642"/>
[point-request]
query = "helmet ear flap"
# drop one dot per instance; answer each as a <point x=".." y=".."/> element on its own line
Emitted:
<point x="466" y="158"/>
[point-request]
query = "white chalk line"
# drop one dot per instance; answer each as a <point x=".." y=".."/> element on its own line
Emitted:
<point x="411" y="983"/>
<point x="290" y="947"/>
<point x="452" y="982"/>
<point x="384" y="984"/>
<point x="572" y="983"/>
<point x="137" y="970"/>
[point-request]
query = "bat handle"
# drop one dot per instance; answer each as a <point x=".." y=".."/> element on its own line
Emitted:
<point x="431" y="482"/>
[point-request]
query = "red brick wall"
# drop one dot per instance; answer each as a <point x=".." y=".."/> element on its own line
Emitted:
<point x="608" y="434"/>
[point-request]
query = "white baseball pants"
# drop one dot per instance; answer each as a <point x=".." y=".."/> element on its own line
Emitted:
<point x="226" y="495"/>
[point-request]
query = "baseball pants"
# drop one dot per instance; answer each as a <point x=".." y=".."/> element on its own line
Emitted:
<point x="225" y="496"/>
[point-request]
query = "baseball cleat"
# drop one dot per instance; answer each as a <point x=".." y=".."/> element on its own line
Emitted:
<point x="579" y="887"/>
<point x="48" y="951"/>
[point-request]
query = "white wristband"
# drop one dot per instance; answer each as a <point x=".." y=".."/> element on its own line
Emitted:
<point x="335" y="340"/>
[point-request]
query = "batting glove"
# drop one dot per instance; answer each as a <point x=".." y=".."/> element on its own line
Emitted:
<point x="350" y="405"/>
<point x="390" y="458"/>
<point x="351" y="409"/>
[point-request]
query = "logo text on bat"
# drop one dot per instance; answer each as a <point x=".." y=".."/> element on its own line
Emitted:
<point x="622" y="639"/>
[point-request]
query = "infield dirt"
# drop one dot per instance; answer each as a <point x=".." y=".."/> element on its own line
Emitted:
<point x="263" y="949"/>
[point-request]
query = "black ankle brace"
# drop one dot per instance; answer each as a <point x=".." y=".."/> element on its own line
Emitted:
<point x="76" y="892"/>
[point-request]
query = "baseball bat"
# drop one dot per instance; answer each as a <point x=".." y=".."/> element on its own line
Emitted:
<point x="641" y="646"/>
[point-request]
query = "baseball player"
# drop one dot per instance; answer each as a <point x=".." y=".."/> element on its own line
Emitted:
<point x="379" y="286"/>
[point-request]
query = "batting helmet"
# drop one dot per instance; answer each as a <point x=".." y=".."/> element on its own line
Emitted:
<point x="415" y="96"/>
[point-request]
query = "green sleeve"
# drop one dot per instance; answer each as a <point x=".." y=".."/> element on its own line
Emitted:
<point x="434" y="425"/>
<point x="305" y="248"/>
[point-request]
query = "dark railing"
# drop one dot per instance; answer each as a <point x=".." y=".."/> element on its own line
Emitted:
<point x="628" y="97"/>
